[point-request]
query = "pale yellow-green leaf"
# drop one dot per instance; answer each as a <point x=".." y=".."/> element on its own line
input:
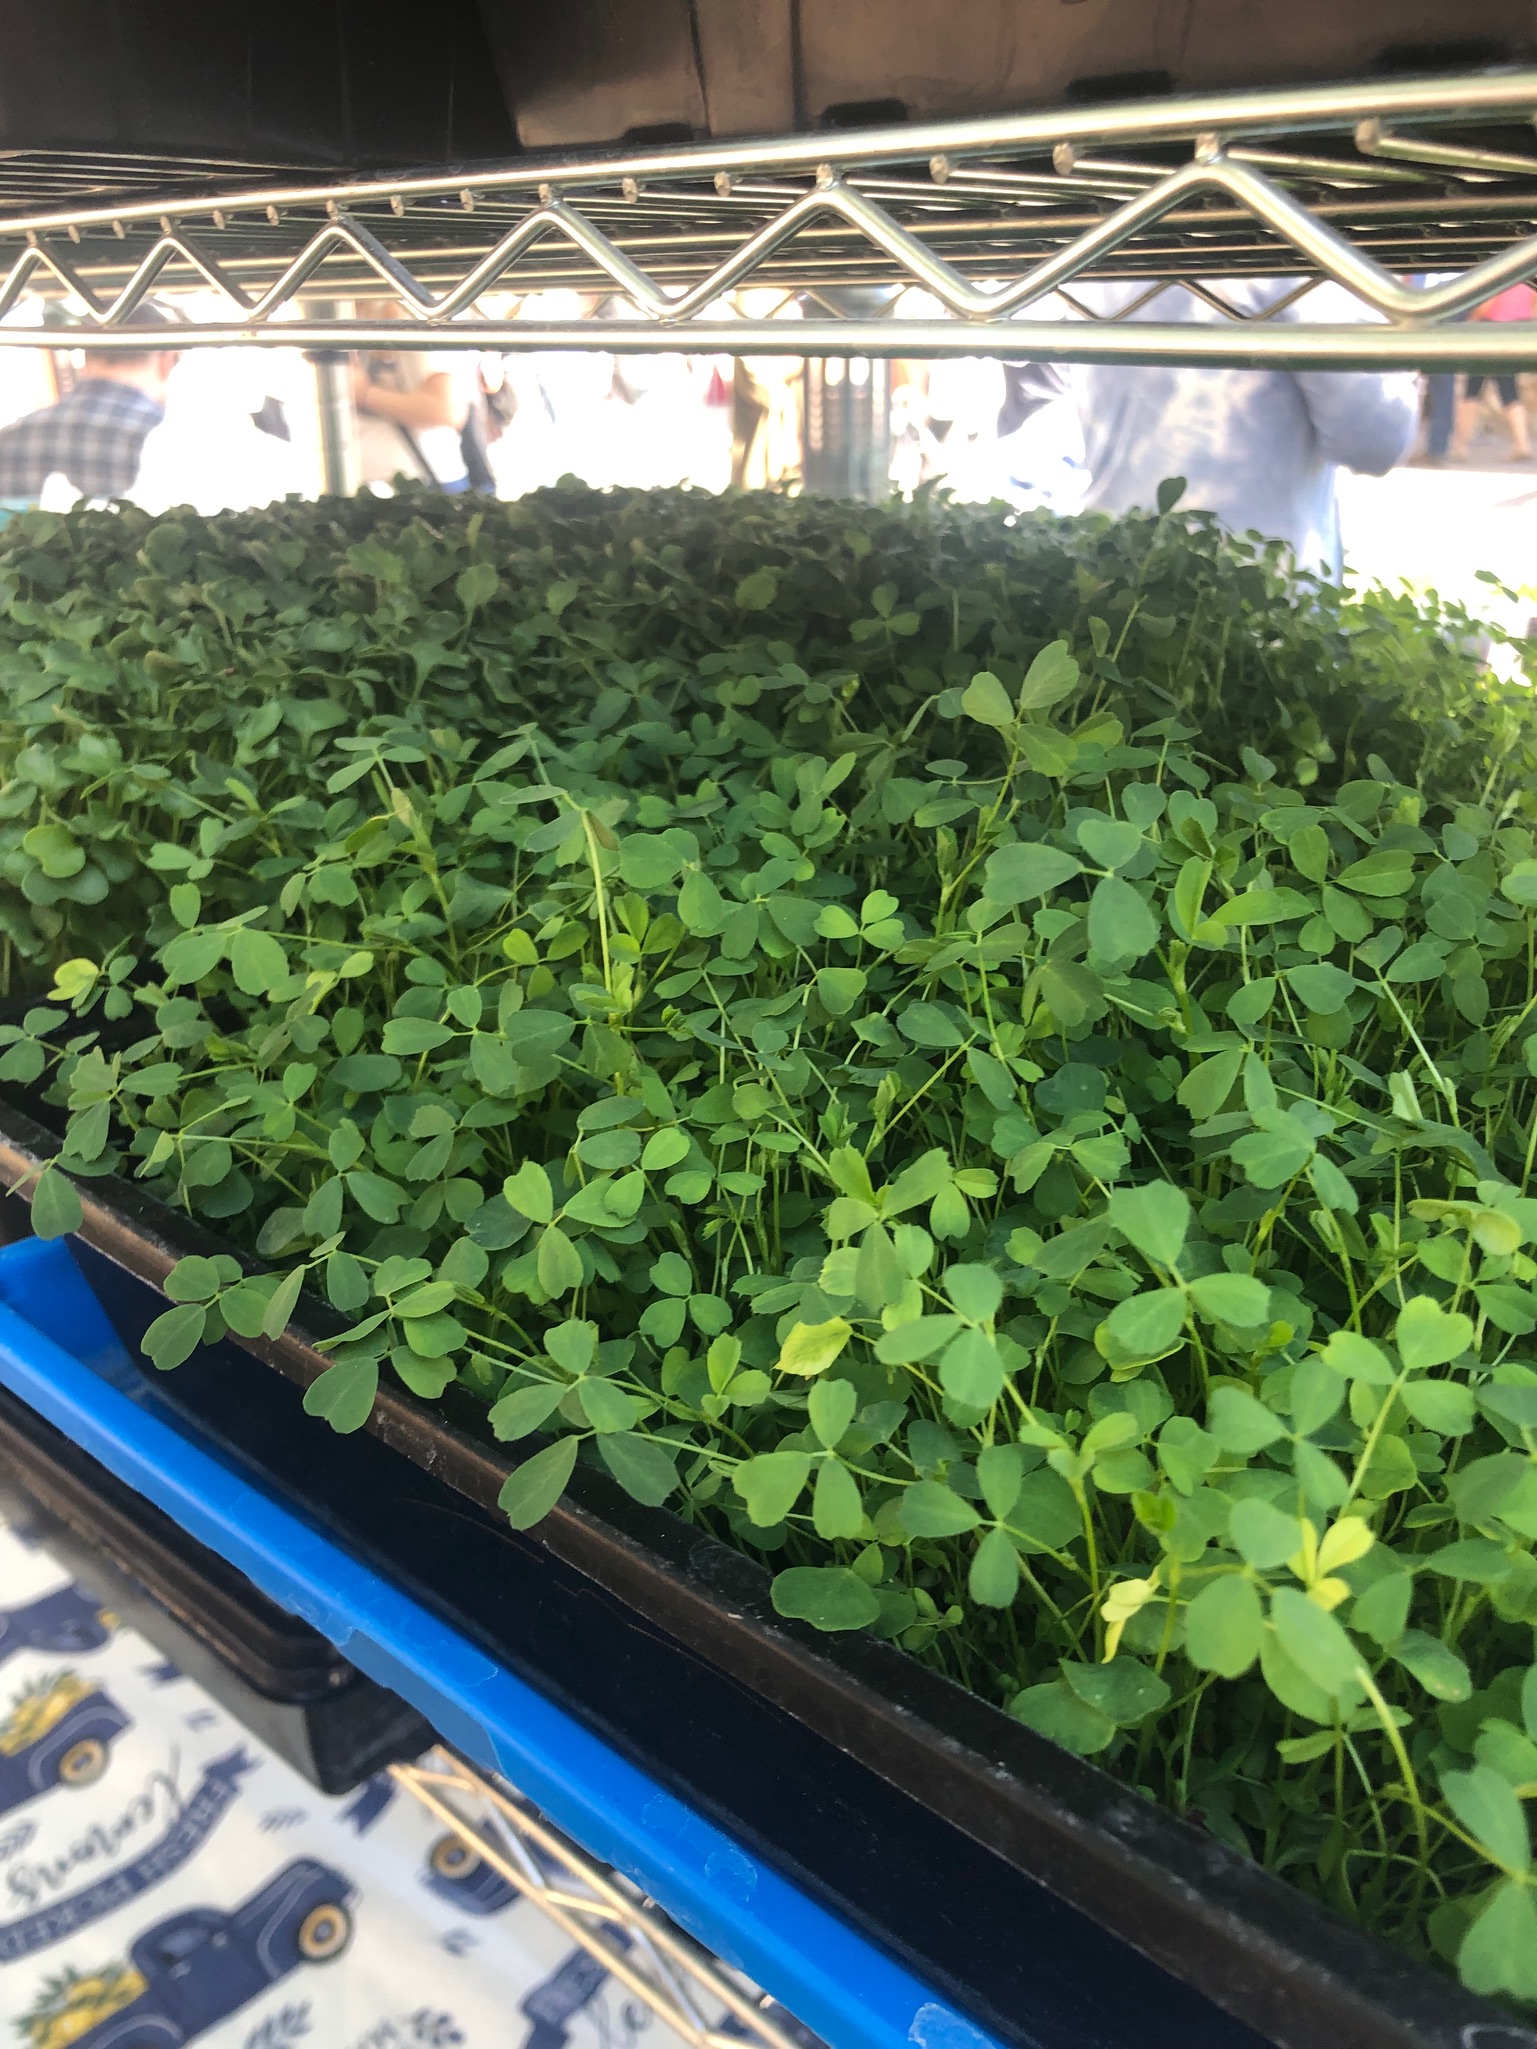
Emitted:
<point x="810" y="1348"/>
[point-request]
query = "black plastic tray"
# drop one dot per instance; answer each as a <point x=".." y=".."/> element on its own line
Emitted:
<point x="592" y="71"/>
<point x="1284" y="1966"/>
<point x="328" y="83"/>
<point x="278" y="1677"/>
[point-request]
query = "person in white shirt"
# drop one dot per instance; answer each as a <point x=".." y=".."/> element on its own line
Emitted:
<point x="1260" y="448"/>
<point x="208" y="451"/>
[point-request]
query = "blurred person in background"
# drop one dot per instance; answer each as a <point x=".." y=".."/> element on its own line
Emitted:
<point x="1516" y="302"/>
<point x="94" y="436"/>
<point x="979" y="428"/>
<point x="656" y="417"/>
<point x="959" y="432"/>
<point x="1441" y="387"/>
<point x="216" y="449"/>
<point x="767" y="396"/>
<point x="412" y="406"/>
<point x="1440" y="415"/>
<point x="1041" y="450"/>
<point x="1259" y="448"/>
<point x="557" y="403"/>
<point x="491" y="407"/>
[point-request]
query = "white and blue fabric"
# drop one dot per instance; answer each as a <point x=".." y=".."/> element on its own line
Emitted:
<point x="164" y="1880"/>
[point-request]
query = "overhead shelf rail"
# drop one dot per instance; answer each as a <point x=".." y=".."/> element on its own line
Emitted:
<point x="1011" y="224"/>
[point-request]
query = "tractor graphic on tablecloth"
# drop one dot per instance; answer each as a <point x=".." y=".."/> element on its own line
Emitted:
<point x="69" y="1620"/>
<point x="59" y="1731"/>
<point x="196" y="1968"/>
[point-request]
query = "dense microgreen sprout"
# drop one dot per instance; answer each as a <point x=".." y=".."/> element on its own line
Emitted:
<point x="990" y="1065"/>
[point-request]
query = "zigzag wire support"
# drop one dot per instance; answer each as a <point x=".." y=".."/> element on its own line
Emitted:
<point x="1007" y="224"/>
<point x="489" y="1830"/>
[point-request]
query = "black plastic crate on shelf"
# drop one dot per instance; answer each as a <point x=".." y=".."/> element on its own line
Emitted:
<point x="1059" y="1905"/>
<point x="665" y="70"/>
<point x="281" y="1679"/>
<point x="287" y="84"/>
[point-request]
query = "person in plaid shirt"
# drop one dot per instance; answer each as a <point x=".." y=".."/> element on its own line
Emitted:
<point x="95" y="435"/>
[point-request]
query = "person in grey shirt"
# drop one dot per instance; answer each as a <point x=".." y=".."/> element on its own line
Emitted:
<point x="1260" y="448"/>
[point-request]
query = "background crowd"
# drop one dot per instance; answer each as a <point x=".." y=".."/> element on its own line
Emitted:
<point x="1265" y="450"/>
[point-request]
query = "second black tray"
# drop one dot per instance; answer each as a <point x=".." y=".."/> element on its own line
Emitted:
<point x="278" y="1677"/>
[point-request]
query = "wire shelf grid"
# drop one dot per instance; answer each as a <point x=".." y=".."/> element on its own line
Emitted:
<point x="491" y="1829"/>
<point x="1416" y="198"/>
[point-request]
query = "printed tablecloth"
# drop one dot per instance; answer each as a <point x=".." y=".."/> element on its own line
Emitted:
<point x="165" y="1880"/>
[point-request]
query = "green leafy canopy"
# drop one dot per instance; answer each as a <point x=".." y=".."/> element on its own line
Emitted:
<point x="993" y="1067"/>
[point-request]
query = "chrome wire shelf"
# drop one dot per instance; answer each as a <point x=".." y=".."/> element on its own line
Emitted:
<point x="1012" y="225"/>
<point x="54" y="178"/>
<point x="492" y="1831"/>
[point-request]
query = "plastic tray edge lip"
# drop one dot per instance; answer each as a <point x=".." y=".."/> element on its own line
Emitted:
<point x="59" y="1494"/>
<point x="631" y="1821"/>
